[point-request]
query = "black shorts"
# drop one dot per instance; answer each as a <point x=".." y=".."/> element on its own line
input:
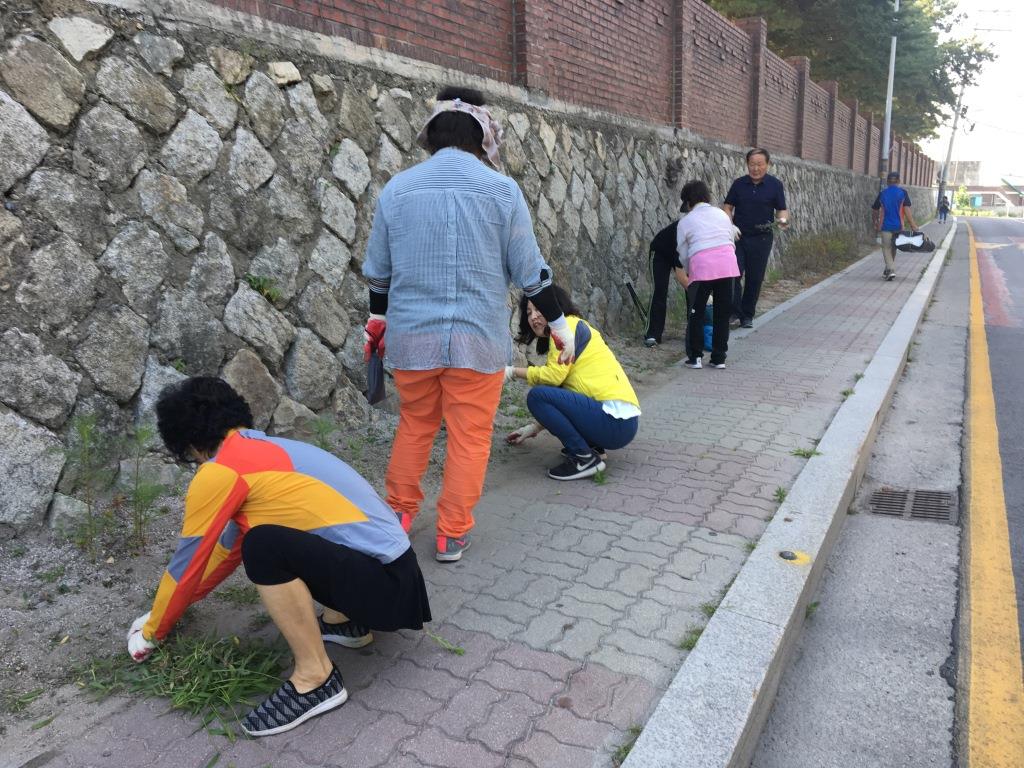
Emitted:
<point x="382" y="596"/>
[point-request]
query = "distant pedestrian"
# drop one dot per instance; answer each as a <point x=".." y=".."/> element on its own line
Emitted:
<point x="449" y="235"/>
<point x="943" y="209"/>
<point x="755" y="202"/>
<point x="706" y="267"/>
<point x="890" y="208"/>
<point x="589" y="404"/>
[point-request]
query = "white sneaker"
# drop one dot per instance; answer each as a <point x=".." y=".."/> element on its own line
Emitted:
<point x="719" y="366"/>
<point x="692" y="363"/>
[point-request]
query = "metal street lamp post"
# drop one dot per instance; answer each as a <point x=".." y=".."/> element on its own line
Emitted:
<point x="883" y="165"/>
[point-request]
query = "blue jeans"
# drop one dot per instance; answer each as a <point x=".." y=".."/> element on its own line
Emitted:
<point x="578" y="421"/>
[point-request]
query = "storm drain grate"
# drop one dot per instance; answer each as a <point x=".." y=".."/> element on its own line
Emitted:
<point x="939" y="506"/>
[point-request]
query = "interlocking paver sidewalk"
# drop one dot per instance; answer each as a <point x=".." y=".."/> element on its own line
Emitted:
<point x="573" y="599"/>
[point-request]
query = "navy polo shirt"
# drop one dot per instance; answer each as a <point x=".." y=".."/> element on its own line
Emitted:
<point x="755" y="204"/>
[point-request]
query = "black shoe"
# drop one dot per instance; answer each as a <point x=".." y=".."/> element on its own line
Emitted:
<point x="347" y="633"/>
<point x="577" y="467"/>
<point x="287" y="708"/>
<point x="746" y="324"/>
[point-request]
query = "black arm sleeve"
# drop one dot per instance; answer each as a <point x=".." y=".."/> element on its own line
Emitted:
<point x="378" y="303"/>
<point x="547" y="304"/>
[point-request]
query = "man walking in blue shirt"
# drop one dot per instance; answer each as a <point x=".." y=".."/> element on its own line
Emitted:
<point x="891" y="205"/>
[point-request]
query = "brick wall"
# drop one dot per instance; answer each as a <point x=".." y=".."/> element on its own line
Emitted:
<point x="675" y="62"/>
<point x="719" y="79"/>
<point x="611" y="55"/>
<point x="781" y="103"/>
<point x="474" y="36"/>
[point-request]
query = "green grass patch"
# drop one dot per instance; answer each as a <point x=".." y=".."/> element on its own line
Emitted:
<point x="812" y="608"/>
<point x="780" y="494"/>
<point x="690" y="639"/>
<point x="846" y="393"/>
<point x="216" y="680"/>
<point x="622" y="751"/>
<point x="709" y="608"/>
<point x="52" y="575"/>
<point x="600" y="477"/>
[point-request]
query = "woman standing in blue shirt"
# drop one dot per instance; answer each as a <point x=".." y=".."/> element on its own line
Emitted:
<point x="449" y="235"/>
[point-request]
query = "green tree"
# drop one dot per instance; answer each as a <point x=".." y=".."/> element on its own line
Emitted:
<point x="961" y="199"/>
<point x="848" y="41"/>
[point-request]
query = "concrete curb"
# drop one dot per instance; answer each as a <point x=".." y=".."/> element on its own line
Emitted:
<point x="712" y="714"/>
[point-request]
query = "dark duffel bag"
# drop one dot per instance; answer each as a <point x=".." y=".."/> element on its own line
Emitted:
<point x="915" y="242"/>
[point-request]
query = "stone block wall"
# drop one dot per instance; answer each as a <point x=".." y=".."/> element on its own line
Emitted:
<point x="189" y="190"/>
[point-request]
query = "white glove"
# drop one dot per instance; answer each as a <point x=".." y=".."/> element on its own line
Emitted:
<point x="510" y="373"/>
<point x="523" y="433"/>
<point x="736" y="234"/>
<point x="139" y="648"/>
<point x="564" y="340"/>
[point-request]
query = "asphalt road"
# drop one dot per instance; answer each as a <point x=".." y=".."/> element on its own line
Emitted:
<point x="1000" y="246"/>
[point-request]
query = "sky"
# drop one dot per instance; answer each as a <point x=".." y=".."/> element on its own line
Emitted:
<point x="995" y="106"/>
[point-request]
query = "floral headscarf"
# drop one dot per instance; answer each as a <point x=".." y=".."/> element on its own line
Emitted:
<point x="493" y="132"/>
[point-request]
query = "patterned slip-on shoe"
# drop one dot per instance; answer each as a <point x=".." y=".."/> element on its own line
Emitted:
<point x="287" y="708"/>
<point x="347" y="633"/>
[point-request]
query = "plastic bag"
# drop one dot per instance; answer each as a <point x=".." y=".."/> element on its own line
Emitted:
<point x="374" y="380"/>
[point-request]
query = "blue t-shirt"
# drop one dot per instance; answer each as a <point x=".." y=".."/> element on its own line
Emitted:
<point x="891" y="200"/>
<point x="755" y="204"/>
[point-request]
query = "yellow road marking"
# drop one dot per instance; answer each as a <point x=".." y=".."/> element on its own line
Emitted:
<point x="995" y="711"/>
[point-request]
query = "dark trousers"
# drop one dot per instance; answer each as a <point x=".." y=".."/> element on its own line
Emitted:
<point x="579" y="421"/>
<point x="661" y="273"/>
<point x="752" y="253"/>
<point x="698" y="292"/>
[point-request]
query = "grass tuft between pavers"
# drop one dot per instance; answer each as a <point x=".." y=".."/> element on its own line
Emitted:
<point x="216" y="680"/>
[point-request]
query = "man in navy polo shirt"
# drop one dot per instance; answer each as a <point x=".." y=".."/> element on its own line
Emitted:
<point x="891" y="205"/>
<point x="754" y="202"/>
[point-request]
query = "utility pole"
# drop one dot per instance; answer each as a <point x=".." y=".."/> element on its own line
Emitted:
<point x="949" y="149"/>
<point x="883" y="165"/>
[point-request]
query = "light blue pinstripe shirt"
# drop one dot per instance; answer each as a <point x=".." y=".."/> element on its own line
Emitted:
<point x="449" y="235"/>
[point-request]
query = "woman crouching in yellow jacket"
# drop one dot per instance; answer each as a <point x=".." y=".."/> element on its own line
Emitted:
<point x="588" y="404"/>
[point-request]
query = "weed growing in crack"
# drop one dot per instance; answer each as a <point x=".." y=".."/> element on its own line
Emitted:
<point x="216" y="680"/>
<point x="846" y="393"/>
<point x="690" y="638"/>
<point x="780" y="494"/>
<point x="323" y="428"/>
<point x="89" y="457"/>
<point x="622" y="751"/>
<point x="709" y="608"/>
<point x="600" y="477"/>
<point x="805" y="453"/>
<point x="750" y="546"/>
<point x="265" y="287"/>
<point x="143" y="490"/>
<point x="811" y="609"/>
<point x="16" y="703"/>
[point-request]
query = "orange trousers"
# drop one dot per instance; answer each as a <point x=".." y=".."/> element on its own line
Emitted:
<point x="467" y="400"/>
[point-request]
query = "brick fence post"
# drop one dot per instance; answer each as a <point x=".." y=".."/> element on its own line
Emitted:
<point x="757" y="29"/>
<point x="529" y="49"/>
<point x="682" y="60"/>
<point x="802" y="65"/>
<point x="832" y="89"/>
<point x="854" y="120"/>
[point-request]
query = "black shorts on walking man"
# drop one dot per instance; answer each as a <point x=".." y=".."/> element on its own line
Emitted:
<point x="754" y="202"/>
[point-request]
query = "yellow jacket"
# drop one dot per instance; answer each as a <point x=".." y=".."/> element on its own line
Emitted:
<point x="595" y="373"/>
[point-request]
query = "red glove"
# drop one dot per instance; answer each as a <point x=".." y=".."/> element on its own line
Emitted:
<point x="373" y="336"/>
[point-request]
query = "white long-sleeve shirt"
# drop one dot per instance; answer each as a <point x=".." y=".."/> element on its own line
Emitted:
<point x="702" y="228"/>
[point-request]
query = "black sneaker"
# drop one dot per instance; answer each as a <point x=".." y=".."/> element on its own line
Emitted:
<point x="577" y="467"/>
<point x="286" y="708"/>
<point x="747" y="324"/>
<point x="347" y="633"/>
<point x="891" y="276"/>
